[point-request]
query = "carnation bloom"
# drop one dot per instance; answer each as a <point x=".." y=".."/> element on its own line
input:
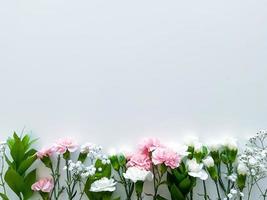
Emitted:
<point x="45" y="152"/>
<point x="64" y="144"/>
<point x="135" y="174"/>
<point x="103" y="185"/>
<point x="149" y="144"/>
<point x="43" y="185"/>
<point x="208" y="162"/>
<point x="196" y="170"/>
<point x="167" y="156"/>
<point x="230" y="143"/>
<point x="139" y="160"/>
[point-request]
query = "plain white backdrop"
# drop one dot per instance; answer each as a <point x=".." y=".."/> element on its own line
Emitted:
<point x="113" y="72"/>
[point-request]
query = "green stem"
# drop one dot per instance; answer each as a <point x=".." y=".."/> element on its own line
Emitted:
<point x="191" y="195"/>
<point x="205" y="190"/>
<point x="218" y="190"/>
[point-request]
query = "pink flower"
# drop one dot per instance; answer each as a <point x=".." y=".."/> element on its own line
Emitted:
<point x="45" y="152"/>
<point x="141" y="161"/>
<point x="43" y="185"/>
<point x="149" y="144"/>
<point x="167" y="156"/>
<point x="64" y="144"/>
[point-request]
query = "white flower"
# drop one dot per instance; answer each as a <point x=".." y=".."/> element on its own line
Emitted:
<point x="89" y="147"/>
<point x="191" y="141"/>
<point x="233" y="191"/>
<point x="2" y="148"/>
<point x="104" y="160"/>
<point x="242" y="169"/>
<point x="112" y="152"/>
<point x="91" y="170"/>
<point x="208" y="162"/>
<point x="230" y="143"/>
<point x="179" y="149"/>
<point x="214" y="146"/>
<point x="85" y="174"/>
<point x="252" y="161"/>
<point x="103" y="185"/>
<point x="135" y="174"/>
<point x="198" y="147"/>
<point x="230" y="196"/>
<point x="196" y="170"/>
<point x="241" y="194"/>
<point x="232" y="177"/>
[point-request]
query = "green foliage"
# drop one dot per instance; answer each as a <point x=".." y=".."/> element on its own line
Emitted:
<point x="105" y="172"/>
<point x="3" y="196"/>
<point x="241" y="182"/>
<point x="22" y="158"/>
<point x="180" y="184"/>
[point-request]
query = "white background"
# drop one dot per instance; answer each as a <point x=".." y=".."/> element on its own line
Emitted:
<point x="113" y="72"/>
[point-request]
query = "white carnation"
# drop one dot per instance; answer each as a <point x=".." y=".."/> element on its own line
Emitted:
<point x="103" y="185"/>
<point x="208" y="162"/>
<point x="196" y="170"/>
<point x="135" y="174"/>
<point x="230" y="143"/>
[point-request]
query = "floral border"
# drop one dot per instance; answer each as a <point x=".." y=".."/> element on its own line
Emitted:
<point x="78" y="172"/>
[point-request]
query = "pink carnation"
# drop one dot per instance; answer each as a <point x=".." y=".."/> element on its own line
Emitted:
<point x="64" y="144"/>
<point x="43" y="185"/>
<point x="167" y="156"/>
<point x="141" y="161"/>
<point x="45" y="152"/>
<point x="149" y="144"/>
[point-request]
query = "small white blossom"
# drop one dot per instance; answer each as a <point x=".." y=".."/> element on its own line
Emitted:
<point x="242" y="169"/>
<point x="232" y="177"/>
<point x="233" y="191"/>
<point x="78" y="169"/>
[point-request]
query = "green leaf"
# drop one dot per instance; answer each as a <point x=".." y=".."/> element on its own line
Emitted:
<point x="115" y="162"/>
<point x="14" y="181"/>
<point x="28" y="181"/>
<point x="158" y="197"/>
<point x="82" y="157"/>
<point x="31" y="152"/>
<point x="176" y="193"/>
<point x="139" y="187"/>
<point x="26" y="164"/>
<point x="185" y="184"/>
<point x="3" y="196"/>
<point x="26" y="140"/>
<point x="17" y="151"/>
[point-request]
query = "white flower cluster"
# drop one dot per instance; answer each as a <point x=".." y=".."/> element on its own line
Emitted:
<point x="80" y="170"/>
<point x="233" y="193"/>
<point x="232" y="177"/>
<point x="254" y="157"/>
<point x="2" y="148"/>
<point x="94" y="152"/>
